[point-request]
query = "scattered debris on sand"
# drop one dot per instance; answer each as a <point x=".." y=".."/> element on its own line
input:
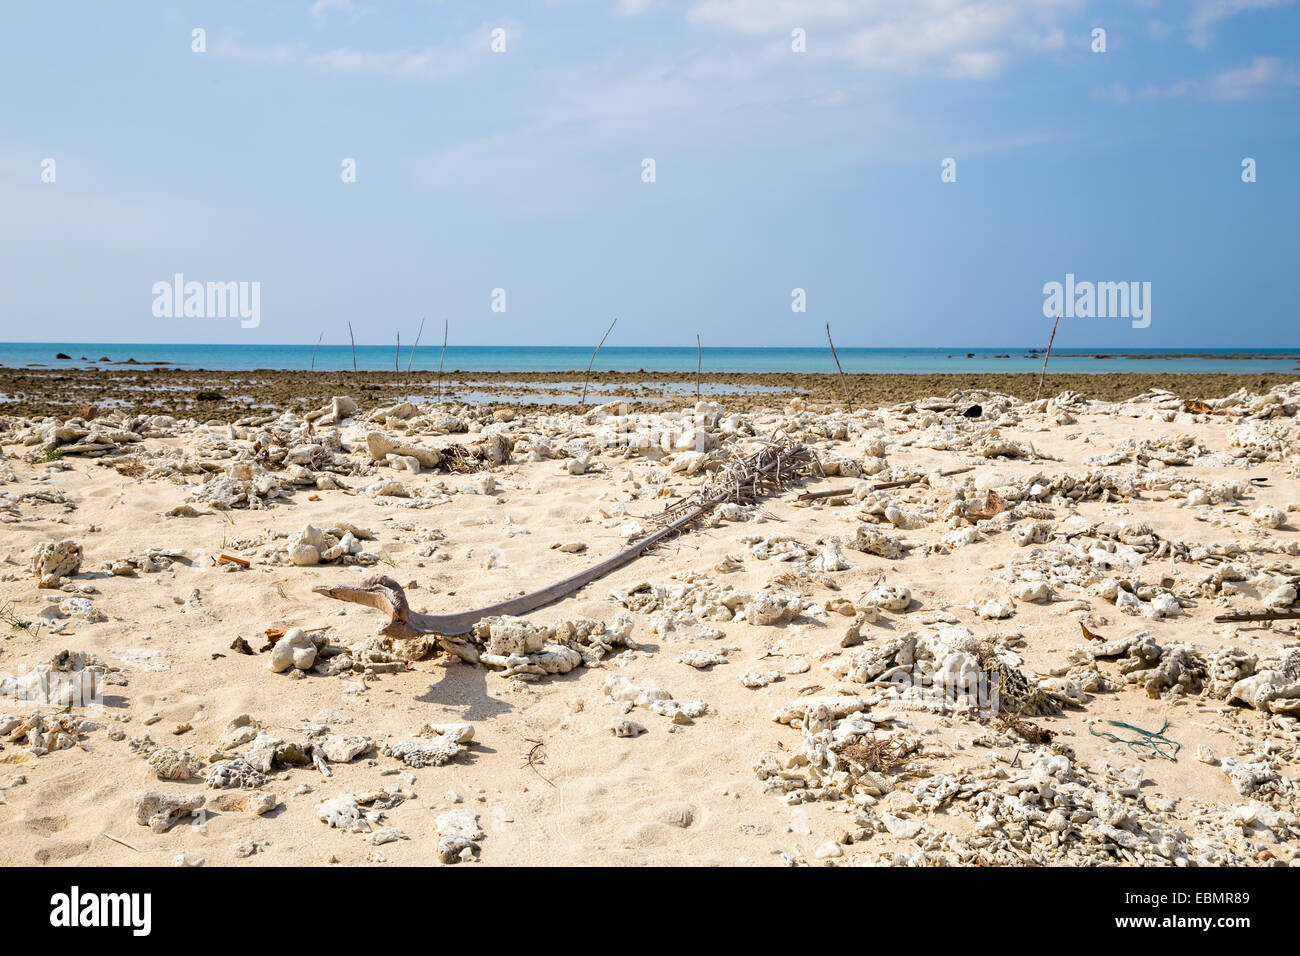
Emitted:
<point x="958" y="630"/>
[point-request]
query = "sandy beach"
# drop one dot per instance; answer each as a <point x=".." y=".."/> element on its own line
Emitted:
<point x="917" y="663"/>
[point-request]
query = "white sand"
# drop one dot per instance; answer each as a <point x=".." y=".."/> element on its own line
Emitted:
<point x="589" y="797"/>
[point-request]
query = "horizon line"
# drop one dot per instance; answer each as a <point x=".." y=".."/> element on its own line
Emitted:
<point x="684" y="348"/>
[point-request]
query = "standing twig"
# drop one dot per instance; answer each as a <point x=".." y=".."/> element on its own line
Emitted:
<point x="397" y="356"/>
<point x="445" y="324"/>
<point x="313" y="352"/>
<point x="699" y="357"/>
<point x="1042" y="375"/>
<point x="834" y="355"/>
<point x="413" y="347"/>
<point x="354" y="347"/>
<point x="593" y="361"/>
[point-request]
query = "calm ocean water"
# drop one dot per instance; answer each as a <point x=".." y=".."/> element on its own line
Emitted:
<point x="632" y="359"/>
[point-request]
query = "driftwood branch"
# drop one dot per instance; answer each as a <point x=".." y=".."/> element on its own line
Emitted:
<point x="354" y="347"/>
<point x="878" y="486"/>
<point x="828" y="493"/>
<point x="769" y="469"/>
<point x="1288" y="614"/>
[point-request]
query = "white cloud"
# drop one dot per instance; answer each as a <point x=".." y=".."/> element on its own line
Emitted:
<point x="321" y="7"/>
<point x="1159" y="30"/>
<point x="770" y="16"/>
<point x="1242" y="83"/>
<point x="1169" y="91"/>
<point x="1207" y="13"/>
<point x="588" y="126"/>
<point x="280" y="53"/>
<point x="429" y="63"/>
<point x="1247" y="82"/>
<point x="433" y="62"/>
<point x="958" y="38"/>
<point x="1120" y="92"/>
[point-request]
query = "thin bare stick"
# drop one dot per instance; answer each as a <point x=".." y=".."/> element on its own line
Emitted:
<point x="1288" y="614"/>
<point x="699" y="357"/>
<point x="413" y="347"/>
<point x="843" y="381"/>
<point x="445" y="324"/>
<point x="1042" y="375"/>
<point x="905" y="482"/>
<point x="123" y="842"/>
<point x="828" y="493"/>
<point x="593" y="361"/>
<point x="313" y="352"/>
<point x="397" y="356"/>
<point x="879" y="486"/>
<point x="536" y="754"/>
<point x="354" y="347"/>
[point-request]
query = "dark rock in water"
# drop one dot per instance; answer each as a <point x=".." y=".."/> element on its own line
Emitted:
<point x="105" y="358"/>
<point x="210" y="397"/>
<point x="973" y="412"/>
<point x="63" y="355"/>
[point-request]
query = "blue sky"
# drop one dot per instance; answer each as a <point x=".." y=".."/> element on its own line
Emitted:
<point x="775" y="170"/>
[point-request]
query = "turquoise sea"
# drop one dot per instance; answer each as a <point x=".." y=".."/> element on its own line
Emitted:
<point x="632" y="358"/>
